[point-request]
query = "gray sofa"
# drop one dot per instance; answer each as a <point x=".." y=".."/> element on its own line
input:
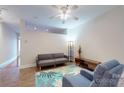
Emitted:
<point x="51" y="59"/>
<point x="105" y="75"/>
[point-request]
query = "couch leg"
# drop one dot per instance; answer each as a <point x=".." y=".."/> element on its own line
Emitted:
<point x="65" y="64"/>
<point x="38" y="68"/>
<point x="55" y="65"/>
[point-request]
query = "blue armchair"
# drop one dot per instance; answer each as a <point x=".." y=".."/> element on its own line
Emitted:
<point x="105" y="75"/>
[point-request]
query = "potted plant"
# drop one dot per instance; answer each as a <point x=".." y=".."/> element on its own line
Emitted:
<point x="79" y="51"/>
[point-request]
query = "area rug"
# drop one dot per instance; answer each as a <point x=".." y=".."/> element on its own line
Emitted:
<point x="53" y="77"/>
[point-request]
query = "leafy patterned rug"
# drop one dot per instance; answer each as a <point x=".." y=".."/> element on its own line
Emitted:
<point x="53" y="77"/>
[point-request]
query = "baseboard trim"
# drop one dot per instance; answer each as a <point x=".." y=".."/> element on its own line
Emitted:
<point x="27" y="66"/>
<point x="4" y="64"/>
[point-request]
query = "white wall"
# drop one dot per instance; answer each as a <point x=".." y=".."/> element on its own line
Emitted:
<point x="36" y="42"/>
<point x="8" y="44"/>
<point x="102" y="39"/>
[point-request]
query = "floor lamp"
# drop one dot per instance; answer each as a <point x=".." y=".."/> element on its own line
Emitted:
<point x="71" y="51"/>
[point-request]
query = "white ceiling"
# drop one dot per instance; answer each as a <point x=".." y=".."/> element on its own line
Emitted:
<point x="28" y="13"/>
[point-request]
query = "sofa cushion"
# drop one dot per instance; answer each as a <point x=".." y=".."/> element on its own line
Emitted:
<point x="60" y="59"/>
<point x="75" y="81"/>
<point x="58" y="55"/>
<point x="101" y="69"/>
<point x="46" y="62"/>
<point x="45" y="56"/>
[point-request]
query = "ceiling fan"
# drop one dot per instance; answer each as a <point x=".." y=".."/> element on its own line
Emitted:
<point x="64" y="12"/>
<point x="1" y="11"/>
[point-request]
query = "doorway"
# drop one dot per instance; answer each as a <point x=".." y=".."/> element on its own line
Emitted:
<point x="18" y="51"/>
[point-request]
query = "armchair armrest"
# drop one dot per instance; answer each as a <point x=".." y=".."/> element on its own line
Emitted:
<point x="87" y="74"/>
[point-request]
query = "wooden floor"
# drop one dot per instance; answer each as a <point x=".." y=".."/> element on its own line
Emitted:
<point x="27" y="77"/>
<point x="11" y="76"/>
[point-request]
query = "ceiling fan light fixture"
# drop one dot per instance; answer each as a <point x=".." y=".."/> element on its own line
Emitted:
<point x="64" y="16"/>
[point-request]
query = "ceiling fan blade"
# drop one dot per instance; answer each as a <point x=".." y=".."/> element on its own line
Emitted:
<point x="74" y="7"/>
<point x="76" y="18"/>
<point x="63" y="21"/>
<point x="0" y="19"/>
<point x="52" y="17"/>
<point x="55" y="6"/>
<point x="0" y="11"/>
<point x="3" y="9"/>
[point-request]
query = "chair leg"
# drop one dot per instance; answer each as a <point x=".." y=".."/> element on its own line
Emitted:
<point x="40" y="68"/>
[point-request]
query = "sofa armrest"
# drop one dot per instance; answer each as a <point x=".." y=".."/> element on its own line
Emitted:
<point x="37" y="60"/>
<point x="65" y="56"/>
<point x="87" y="74"/>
